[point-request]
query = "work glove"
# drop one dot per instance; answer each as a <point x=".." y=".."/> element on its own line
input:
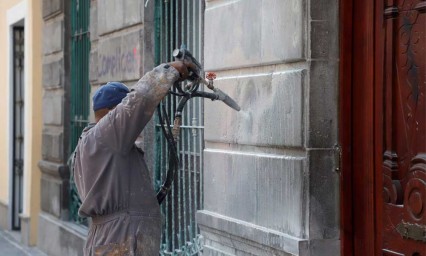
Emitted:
<point x="184" y="68"/>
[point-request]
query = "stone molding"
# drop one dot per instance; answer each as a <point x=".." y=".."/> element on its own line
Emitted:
<point x="52" y="8"/>
<point x="56" y="170"/>
<point x="4" y="212"/>
<point x="66" y="239"/>
<point x="265" y="239"/>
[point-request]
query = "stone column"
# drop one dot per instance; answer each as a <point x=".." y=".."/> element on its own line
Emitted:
<point x="322" y="127"/>
<point x="55" y="173"/>
<point x="56" y="236"/>
<point x="270" y="185"/>
<point x="121" y="34"/>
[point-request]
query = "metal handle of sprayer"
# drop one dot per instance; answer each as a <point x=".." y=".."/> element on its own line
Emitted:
<point x="184" y="55"/>
<point x="190" y="91"/>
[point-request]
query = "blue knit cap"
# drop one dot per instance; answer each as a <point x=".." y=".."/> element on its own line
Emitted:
<point x="109" y="95"/>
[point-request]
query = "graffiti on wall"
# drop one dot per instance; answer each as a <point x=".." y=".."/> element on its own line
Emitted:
<point x="119" y="63"/>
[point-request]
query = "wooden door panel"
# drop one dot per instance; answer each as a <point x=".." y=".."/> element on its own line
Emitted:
<point x="405" y="5"/>
<point x="383" y="127"/>
<point x="404" y="128"/>
<point x="390" y="253"/>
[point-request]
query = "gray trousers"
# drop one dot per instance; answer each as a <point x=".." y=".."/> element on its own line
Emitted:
<point x="124" y="234"/>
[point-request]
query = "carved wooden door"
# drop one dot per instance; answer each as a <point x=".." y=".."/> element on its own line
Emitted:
<point x="403" y="135"/>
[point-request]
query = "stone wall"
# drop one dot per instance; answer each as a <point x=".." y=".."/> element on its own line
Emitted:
<point x="55" y="152"/>
<point x="272" y="163"/>
<point x="322" y="127"/>
<point x="121" y="34"/>
<point x="55" y="173"/>
<point x="4" y="211"/>
<point x="122" y="49"/>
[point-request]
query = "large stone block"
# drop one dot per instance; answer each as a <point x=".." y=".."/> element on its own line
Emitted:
<point x="148" y="13"/>
<point x="53" y="74"/>
<point x="110" y="16"/>
<point x="53" y="107"/>
<point x="93" y="67"/>
<point x="324" y="247"/>
<point x="117" y="14"/>
<point x="25" y="230"/>
<point x="324" y="10"/>
<point x="227" y="236"/>
<point x="148" y="143"/>
<point x="54" y="31"/>
<point x="52" y="146"/>
<point x="324" y="40"/>
<point x="266" y="190"/>
<point x="60" y="238"/>
<point x="51" y="195"/>
<point x="323" y="104"/>
<point x="4" y="216"/>
<point x="132" y="12"/>
<point x="54" y="169"/>
<point x="148" y="47"/>
<point x="271" y="110"/>
<point x="324" y="220"/>
<point x="119" y="58"/>
<point x="262" y="31"/>
<point x="94" y="21"/>
<point x="51" y="7"/>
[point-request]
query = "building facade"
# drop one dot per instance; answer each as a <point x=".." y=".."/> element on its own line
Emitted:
<point x="79" y="32"/>
<point x="20" y="33"/>
<point x="325" y="157"/>
<point x="272" y="163"/>
<point x="266" y="181"/>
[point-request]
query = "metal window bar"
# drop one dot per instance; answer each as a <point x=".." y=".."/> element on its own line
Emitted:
<point x="181" y="22"/>
<point x="80" y="87"/>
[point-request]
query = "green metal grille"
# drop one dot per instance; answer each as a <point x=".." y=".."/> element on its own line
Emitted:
<point x="80" y="86"/>
<point x="181" y="22"/>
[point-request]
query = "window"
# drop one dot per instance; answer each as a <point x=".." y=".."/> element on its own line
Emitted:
<point x="177" y="23"/>
<point x="80" y="87"/>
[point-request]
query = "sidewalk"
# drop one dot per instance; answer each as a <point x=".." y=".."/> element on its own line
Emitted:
<point x="9" y="246"/>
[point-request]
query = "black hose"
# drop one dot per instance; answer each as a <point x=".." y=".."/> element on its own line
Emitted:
<point x="168" y="134"/>
<point x="172" y="153"/>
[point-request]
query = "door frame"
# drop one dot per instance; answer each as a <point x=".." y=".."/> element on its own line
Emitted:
<point x="359" y="60"/>
<point x="16" y="16"/>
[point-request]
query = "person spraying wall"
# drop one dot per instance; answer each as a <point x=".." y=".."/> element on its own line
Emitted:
<point x="110" y="172"/>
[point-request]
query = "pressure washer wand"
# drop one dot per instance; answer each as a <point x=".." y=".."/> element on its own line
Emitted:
<point x="221" y="95"/>
<point x="184" y="55"/>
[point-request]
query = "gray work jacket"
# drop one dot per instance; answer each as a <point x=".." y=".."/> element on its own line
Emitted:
<point x="110" y="172"/>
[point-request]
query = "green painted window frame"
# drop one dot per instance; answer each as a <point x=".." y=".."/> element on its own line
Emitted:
<point x="181" y="22"/>
<point x="80" y="88"/>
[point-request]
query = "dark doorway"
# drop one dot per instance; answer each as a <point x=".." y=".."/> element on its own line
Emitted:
<point x="18" y="126"/>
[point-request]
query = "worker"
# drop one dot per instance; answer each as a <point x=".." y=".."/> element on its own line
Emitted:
<point x="110" y="172"/>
